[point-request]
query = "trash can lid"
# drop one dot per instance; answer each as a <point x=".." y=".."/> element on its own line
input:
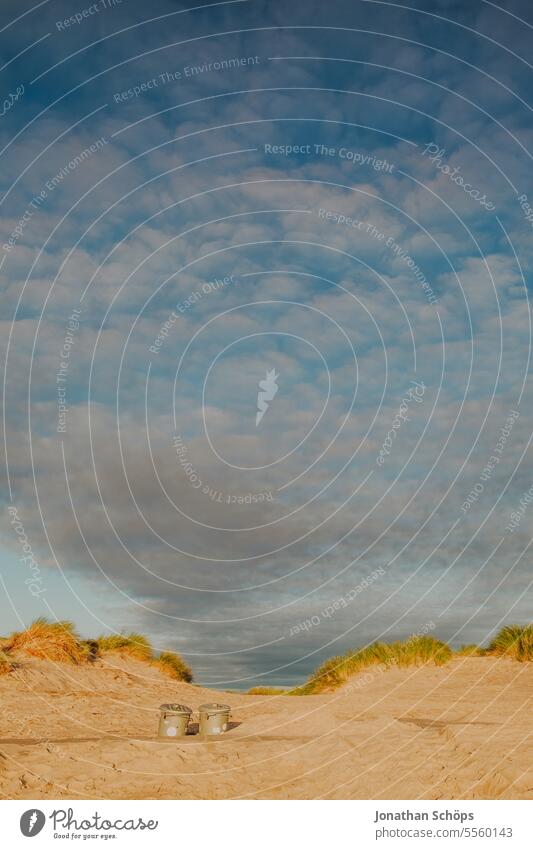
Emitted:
<point x="172" y="708"/>
<point x="214" y="707"/>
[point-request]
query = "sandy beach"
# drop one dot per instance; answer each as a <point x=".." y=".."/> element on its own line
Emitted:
<point x="460" y="731"/>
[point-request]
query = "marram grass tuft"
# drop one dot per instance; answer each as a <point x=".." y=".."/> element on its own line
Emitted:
<point x="415" y="651"/>
<point x="173" y="665"/>
<point x="56" y="641"/>
<point x="133" y="645"/>
<point x="515" y="641"/>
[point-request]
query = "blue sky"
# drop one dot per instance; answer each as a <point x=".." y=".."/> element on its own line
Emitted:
<point x="192" y="197"/>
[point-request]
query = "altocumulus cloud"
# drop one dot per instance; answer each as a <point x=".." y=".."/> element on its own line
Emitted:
<point x="267" y="174"/>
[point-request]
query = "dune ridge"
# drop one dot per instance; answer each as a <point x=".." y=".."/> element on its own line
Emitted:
<point x="87" y="729"/>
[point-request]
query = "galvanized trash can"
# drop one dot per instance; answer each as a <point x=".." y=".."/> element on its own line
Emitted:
<point x="214" y="718"/>
<point x="174" y="720"/>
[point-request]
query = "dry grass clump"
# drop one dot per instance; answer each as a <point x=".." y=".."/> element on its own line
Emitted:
<point x="6" y="664"/>
<point x="172" y="664"/>
<point x="422" y="649"/>
<point x="515" y="641"/>
<point x="417" y="650"/>
<point x="267" y="691"/>
<point x="58" y="641"/>
<point x="138" y="647"/>
<point x="470" y="650"/>
<point x="133" y="645"/>
<point x="55" y="641"/>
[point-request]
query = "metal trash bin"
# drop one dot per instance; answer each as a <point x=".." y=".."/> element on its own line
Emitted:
<point x="214" y="718"/>
<point x="174" y="720"/>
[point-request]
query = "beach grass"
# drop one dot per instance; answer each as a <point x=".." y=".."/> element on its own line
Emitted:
<point x="417" y="650"/>
<point x="470" y="650"/>
<point x="514" y="641"/>
<point x="267" y="691"/>
<point x="58" y="641"/>
<point x="173" y="665"/>
<point x="6" y="663"/>
<point x="138" y="647"/>
<point x="133" y="645"/>
<point x="55" y="641"/>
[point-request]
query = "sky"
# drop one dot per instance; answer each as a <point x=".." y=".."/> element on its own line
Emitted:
<point x="265" y="325"/>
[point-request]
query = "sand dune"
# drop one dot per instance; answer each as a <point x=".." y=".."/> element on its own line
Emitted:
<point x="461" y="731"/>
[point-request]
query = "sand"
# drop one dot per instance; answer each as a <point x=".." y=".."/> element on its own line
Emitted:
<point x="462" y="731"/>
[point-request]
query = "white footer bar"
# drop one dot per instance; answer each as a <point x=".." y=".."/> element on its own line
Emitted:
<point x="264" y="824"/>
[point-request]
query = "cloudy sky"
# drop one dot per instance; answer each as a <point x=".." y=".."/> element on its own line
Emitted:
<point x="331" y="199"/>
